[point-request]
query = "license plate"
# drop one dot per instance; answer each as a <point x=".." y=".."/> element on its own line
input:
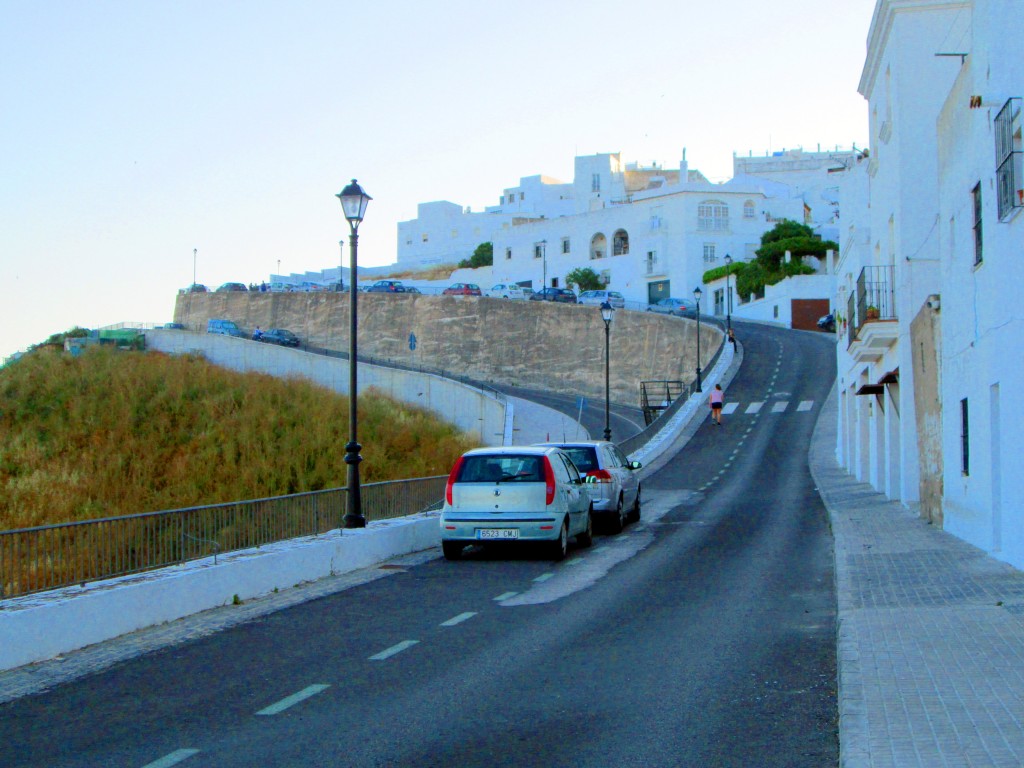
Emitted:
<point x="497" y="533"/>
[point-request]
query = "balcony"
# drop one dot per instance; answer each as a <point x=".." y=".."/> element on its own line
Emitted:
<point x="871" y="313"/>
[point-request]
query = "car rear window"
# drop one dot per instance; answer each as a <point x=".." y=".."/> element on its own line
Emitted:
<point x="506" y="468"/>
<point x="585" y="458"/>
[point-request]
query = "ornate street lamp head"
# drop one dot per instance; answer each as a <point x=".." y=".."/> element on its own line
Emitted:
<point x="697" y="293"/>
<point x="353" y="202"/>
<point x="606" y="312"/>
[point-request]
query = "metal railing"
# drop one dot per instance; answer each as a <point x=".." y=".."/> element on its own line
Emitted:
<point x="874" y="298"/>
<point x="52" y="556"/>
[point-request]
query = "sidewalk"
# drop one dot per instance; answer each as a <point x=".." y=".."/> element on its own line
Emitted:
<point x="930" y="633"/>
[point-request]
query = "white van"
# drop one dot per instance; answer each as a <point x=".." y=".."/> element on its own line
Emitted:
<point x="505" y="291"/>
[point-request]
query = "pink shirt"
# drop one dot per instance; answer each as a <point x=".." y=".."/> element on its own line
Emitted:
<point x="717" y="396"/>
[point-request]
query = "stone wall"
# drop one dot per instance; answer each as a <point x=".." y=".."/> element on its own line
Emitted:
<point x="528" y="344"/>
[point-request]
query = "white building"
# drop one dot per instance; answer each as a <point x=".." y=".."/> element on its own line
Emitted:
<point x="650" y="232"/>
<point x="929" y="370"/>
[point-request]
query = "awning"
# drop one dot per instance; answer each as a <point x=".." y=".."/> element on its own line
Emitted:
<point x="892" y="377"/>
<point x="871" y="389"/>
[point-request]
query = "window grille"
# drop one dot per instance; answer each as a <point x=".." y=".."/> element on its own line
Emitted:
<point x="1009" y="158"/>
<point x="712" y="215"/>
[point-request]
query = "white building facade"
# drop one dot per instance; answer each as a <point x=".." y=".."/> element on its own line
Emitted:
<point x="929" y="370"/>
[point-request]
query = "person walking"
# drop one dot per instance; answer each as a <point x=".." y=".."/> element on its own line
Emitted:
<point x="717" y="399"/>
<point x="732" y="338"/>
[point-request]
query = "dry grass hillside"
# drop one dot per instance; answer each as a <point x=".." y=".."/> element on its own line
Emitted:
<point x="113" y="433"/>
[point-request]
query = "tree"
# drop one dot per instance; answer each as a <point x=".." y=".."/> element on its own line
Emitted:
<point x="585" y="278"/>
<point x="798" y="239"/>
<point x="483" y="256"/>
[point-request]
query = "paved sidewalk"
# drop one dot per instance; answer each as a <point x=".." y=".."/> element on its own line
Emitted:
<point x="930" y="633"/>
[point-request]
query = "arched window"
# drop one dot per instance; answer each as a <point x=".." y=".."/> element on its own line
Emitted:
<point x="598" y="246"/>
<point x="620" y="243"/>
<point x="712" y="214"/>
<point x="748" y="209"/>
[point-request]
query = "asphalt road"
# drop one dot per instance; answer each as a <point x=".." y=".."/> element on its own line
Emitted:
<point x="702" y="636"/>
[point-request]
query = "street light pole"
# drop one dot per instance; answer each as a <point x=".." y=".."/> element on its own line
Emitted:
<point x="544" y="255"/>
<point x="194" y="252"/>
<point x="341" y="266"/>
<point x="353" y="203"/>
<point x="606" y="315"/>
<point x="728" y="293"/>
<point x="697" y="295"/>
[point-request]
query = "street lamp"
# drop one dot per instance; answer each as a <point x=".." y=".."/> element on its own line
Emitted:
<point x="606" y="315"/>
<point x="544" y="255"/>
<point x="353" y="203"/>
<point x="341" y="266"/>
<point x="697" y="294"/>
<point x="728" y="293"/>
<point x="194" y="252"/>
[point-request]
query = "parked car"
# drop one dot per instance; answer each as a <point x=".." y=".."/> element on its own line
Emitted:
<point x="462" y="289"/>
<point x="231" y="287"/>
<point x="616" y="492"/>
<point x="677" y="307"/>
<point x="527" y="292"/>
<point x="280" y="336"/>
<point x="827" y="323"/>
<point x="225" y="327"/>
<point x="174" y="326"/>
<point x="386" y="286"/>
<point x="196" y="288"/>
<point x="516" y="494"/>
<point x="597" y="298"/>
<point x="413" y="289"/>
<point x="563" y="295"/>
<point x="505" y="291"/>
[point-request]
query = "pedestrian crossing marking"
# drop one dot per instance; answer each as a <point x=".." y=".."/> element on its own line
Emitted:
<point x="729" y="408"/>
<point x="754" y="407"/>
<point x="805" y="405"/>
<point x="780" y="406"/>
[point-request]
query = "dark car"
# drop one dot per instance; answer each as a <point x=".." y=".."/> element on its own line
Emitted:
<point x="231" y="287"/>
<point x="563" y="295"/>
<point x="827" y="323"/>
<point x="386" y="286"/>
<point x="677" y="307"/>
<point x="280" y="336"/>
<point x="196" y="288"/>
<point x="462" y="289"/>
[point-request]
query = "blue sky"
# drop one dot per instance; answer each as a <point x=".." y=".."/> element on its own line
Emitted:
<point x="135" y="132"/>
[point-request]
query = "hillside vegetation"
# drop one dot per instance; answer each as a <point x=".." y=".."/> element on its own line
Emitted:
<point x="113" y="433"/>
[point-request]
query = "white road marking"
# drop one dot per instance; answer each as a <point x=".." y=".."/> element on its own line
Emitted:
<point x="805" y="405"/>
<point x="780" y="406"/>
<point x="754" y="407"/>
<point x="543" y="577"/>
<point x="389" y="652"/>
<point x="729" y="407"/>
<point x="292" y="700"/>
<point x="458" y="619"/>
<point x="504" y="596"/>
<point x="602" y="549"/>
<point x="574" y="561"/>
<point x="177" y="756"/>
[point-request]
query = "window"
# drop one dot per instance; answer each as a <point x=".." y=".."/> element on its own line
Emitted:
<point x="565" y="245"/>
<point x="965" y="443"/>
<point x="595" y="182"/>
<point x="425" y="237"/>
<point x="1009" y="158"/>
<point x="652" y="262"/>
<point x="620" y="243"/>
<point x="508" y="253"/>
<point x="522" y="195"/>
<point x="709" y="252"/>
<point x="976" y="199"/>
<point x="511" y="197"/>
<point x="712" y="214"/>
<point x="538" y="249"/>
<point x="748" y="209"/>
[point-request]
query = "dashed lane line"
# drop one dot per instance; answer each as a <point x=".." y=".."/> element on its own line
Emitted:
<point x="458" y="619"/>
<point x="543" y="577"/>
<point x="504" y="596"/>
<point x="177" y="756"/>
<point x="291" y="701"/>
<point x="387" y="653"/>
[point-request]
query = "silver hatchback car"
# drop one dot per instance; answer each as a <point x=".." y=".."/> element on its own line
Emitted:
<point x="617" y="492"/>
<point x="516" y="494"/>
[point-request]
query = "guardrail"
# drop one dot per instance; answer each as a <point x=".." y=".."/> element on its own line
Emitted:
<point x="52" y="556"/>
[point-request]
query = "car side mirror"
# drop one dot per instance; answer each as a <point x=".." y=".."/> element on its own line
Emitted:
<point x="635" y="465"/>
<point x="590" y="480"/>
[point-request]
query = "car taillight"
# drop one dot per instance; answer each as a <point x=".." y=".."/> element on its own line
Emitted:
<point x="452" y="478"/>
<point x="602" y="475"/>
<point x="549" y="481"/>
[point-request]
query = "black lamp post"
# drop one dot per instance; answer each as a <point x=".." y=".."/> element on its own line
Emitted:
<point x="353" y="203"/>
<point x="697" y="294"/>
<point x="341" y="267"/>
<point x="728" y="293"/>
<point x="544" y="255"/>
<point x="606" y="315"/>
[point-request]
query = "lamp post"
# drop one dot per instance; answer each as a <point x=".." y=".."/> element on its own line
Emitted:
<point x="544" y="255"/>
<point x="341" y="266"/>
<point x="353" y="203"/>
<point x="194" y="252"/>
<point x="697" y="294"/>
<point x="606" y="315"/>
<point x="728" y="293"/>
